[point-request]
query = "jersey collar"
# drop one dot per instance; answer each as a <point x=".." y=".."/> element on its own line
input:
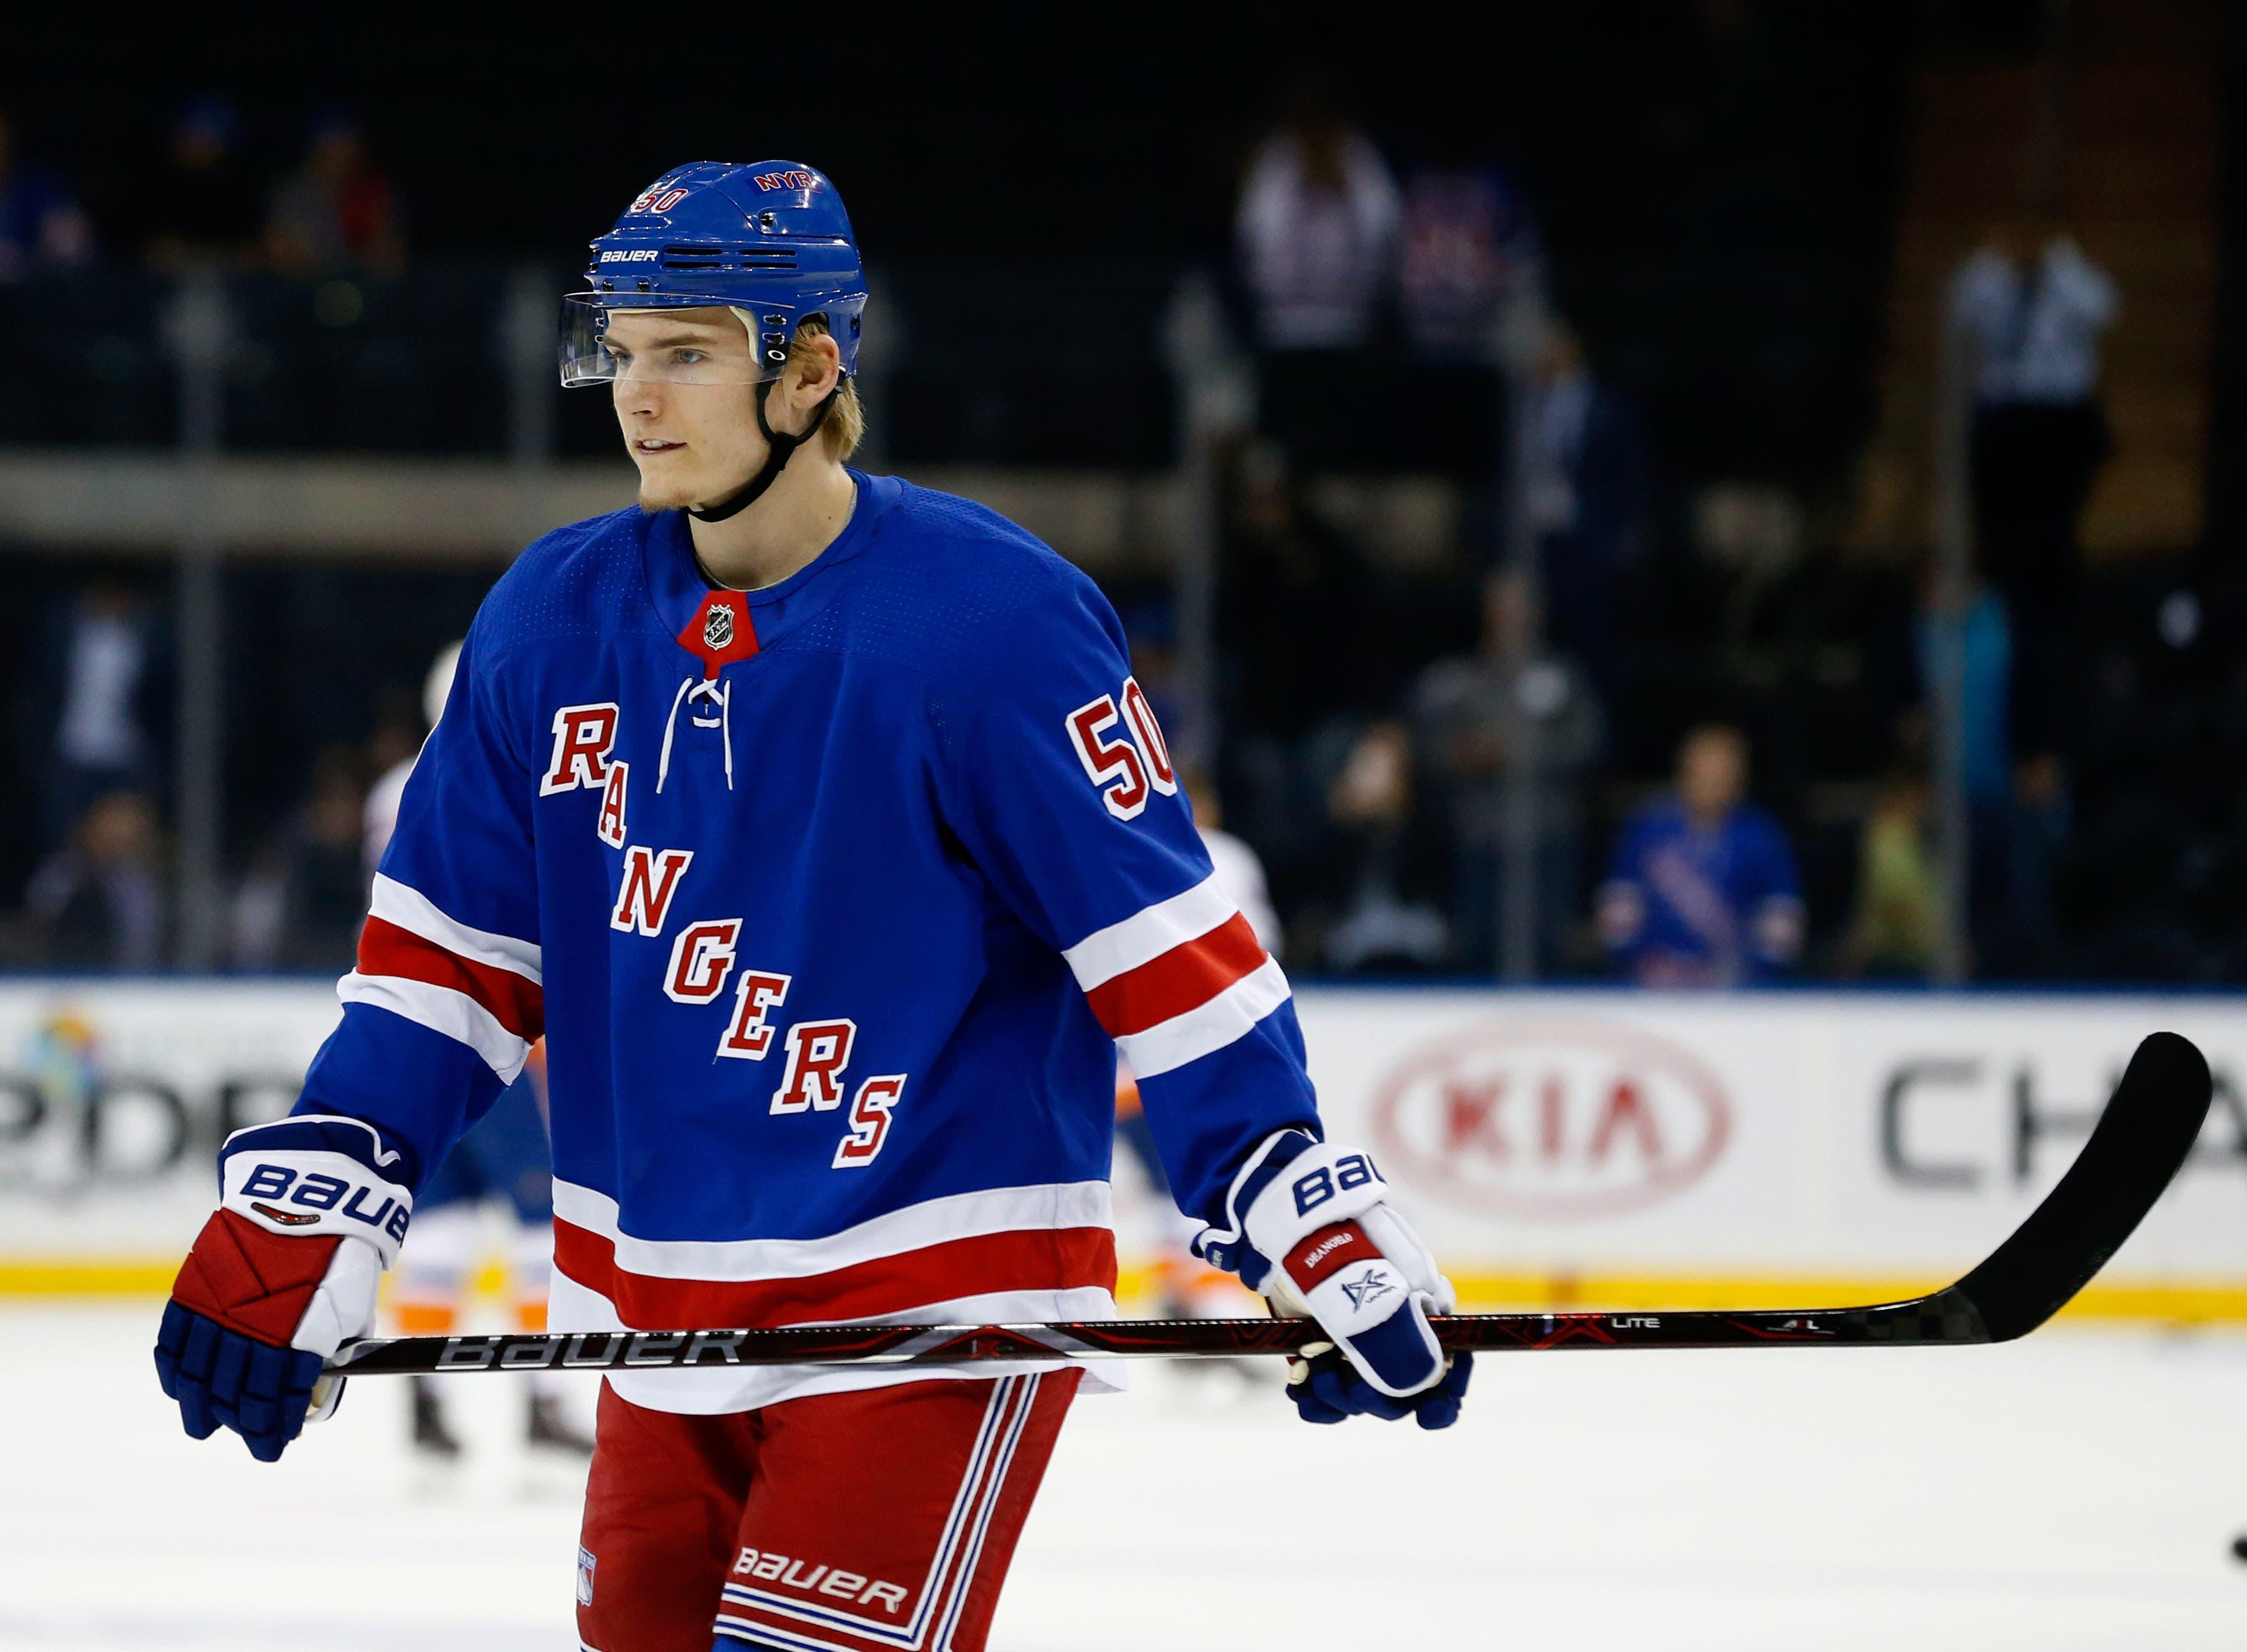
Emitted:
<point x="759" y="619"/>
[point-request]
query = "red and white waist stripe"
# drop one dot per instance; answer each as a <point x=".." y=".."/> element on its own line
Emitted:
<point x="482" y="989"/>
<point x="1019" y="1253"/>
<point x="1177" y="980"/>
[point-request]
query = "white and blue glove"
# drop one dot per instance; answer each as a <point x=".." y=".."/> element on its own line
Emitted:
<point x="1309" y="1226"/>
<point x="312" y="1209"/>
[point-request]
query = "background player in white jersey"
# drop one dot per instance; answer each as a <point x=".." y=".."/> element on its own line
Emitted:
<point x="502" y="1164"/>
<point x="818" y="822"/>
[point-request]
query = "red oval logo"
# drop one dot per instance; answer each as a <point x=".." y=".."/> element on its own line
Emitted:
<point x="1555" y="1120"/>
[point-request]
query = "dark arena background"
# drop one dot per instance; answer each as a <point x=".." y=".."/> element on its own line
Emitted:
<point x="1692" y="555"/>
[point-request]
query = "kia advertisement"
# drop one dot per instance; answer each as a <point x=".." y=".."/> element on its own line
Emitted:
<point x="1718" y="1142"/>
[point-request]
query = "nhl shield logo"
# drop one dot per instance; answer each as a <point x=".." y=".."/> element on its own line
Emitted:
<point x="718" y="627"/>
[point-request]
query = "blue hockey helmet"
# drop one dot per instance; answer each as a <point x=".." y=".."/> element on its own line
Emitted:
<point x="770" y="240"/>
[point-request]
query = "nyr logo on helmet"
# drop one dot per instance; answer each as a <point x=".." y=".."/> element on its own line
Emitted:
<point x="797" y="179"/>
<point x="717" y="627"/>
<point x="659" y="197"/>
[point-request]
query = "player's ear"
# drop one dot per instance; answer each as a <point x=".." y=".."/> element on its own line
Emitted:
<point x="814" y="367"/>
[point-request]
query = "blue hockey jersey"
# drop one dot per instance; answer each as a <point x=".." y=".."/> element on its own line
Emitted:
<point x="833" y="901"/>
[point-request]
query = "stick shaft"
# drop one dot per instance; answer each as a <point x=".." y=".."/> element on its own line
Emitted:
<point x="1927" y="1320"/>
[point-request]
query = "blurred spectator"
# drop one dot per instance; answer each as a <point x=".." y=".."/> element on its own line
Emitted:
<point x="95" y="699"/>
<point x="302" y="908"/>
<point x="42" y="227"/>
<point x="1464" y="711"/>
<point x="98" y="901"/>
<point x="1585" y="491"/>
<point x="206" y="202"/>
<point x="1468" y="275"/>
<point x="1985" y="692"/>
<point x="2016" y="810"/>
<point x="1470" y="253"/>
<point x="338" y="210"/>
<point x="1239" y="871"/>
<point x="1316" y="229"/>
<point x="1703" y="889"/>
<point x="1898" y="922"/>
<point x="2031" y="309"/>
<point x="1371" y="808"/>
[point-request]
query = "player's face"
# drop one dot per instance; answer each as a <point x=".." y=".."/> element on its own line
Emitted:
<point x="683" y="401"/>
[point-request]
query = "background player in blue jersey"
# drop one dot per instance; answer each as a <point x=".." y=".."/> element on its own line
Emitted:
<point x="818" y="822"/>
<point x="503" y="1162"/>
<point x="1702" y="891"/>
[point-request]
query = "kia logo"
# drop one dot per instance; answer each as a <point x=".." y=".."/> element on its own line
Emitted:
<point x="1555" y="1120"/>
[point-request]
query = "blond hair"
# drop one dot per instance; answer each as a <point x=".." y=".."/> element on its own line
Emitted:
<point x="844" y="426"/>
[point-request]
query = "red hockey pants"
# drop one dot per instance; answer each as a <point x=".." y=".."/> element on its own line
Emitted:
<point x="864" y="1522"/>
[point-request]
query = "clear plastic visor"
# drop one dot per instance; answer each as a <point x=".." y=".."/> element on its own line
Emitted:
<point x="678" y="345"/>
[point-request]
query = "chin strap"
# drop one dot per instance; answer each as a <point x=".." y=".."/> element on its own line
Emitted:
<point x="779" y="443"/>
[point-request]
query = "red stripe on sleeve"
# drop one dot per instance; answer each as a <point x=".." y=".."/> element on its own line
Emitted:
<point x="516" y="1003"/>
<point x="1184" y="978"/>
<point x="1043" y="1259"/>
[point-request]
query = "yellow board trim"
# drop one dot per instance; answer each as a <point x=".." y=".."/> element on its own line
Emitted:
<point x="2122" y="1299"/>
<point x="79" y="1276"/>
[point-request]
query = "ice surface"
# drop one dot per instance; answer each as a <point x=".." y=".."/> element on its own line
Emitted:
<point x="2079" y="1490"/>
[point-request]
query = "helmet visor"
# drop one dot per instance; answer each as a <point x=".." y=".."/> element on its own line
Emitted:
<point x="689" y="342"/>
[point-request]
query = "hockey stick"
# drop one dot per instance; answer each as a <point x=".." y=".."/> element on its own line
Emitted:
<point x="2142" y="1138"/>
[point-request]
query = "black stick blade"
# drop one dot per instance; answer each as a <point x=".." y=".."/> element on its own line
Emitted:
<point x="2143" y="1138"/>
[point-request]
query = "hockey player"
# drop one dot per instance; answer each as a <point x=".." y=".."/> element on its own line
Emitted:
<point x="818" y="822"/>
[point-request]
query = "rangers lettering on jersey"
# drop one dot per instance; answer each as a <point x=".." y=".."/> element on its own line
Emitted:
<point x="817" y="1053"/>
<point x="650" y="879"/>
<point x="583" y="735"/>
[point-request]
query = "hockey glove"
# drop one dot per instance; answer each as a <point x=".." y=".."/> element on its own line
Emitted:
<point x="1309" y="1226"/>
<point x="311" y="1211"/>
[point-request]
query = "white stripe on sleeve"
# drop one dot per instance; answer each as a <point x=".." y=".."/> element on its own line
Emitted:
<point x="1148" y="933"/>
<point x="442" y="1010"/>
<point x="1171" y="1044"/>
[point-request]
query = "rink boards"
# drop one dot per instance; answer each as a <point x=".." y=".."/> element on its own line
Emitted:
<point x="1630" y="1149"/>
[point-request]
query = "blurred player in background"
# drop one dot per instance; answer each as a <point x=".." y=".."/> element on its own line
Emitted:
<point x="505" y="1159"/>
<point x="1189" y="1287"/>
<point x="818" y="822"/>
<point x="503" y="1162"/>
